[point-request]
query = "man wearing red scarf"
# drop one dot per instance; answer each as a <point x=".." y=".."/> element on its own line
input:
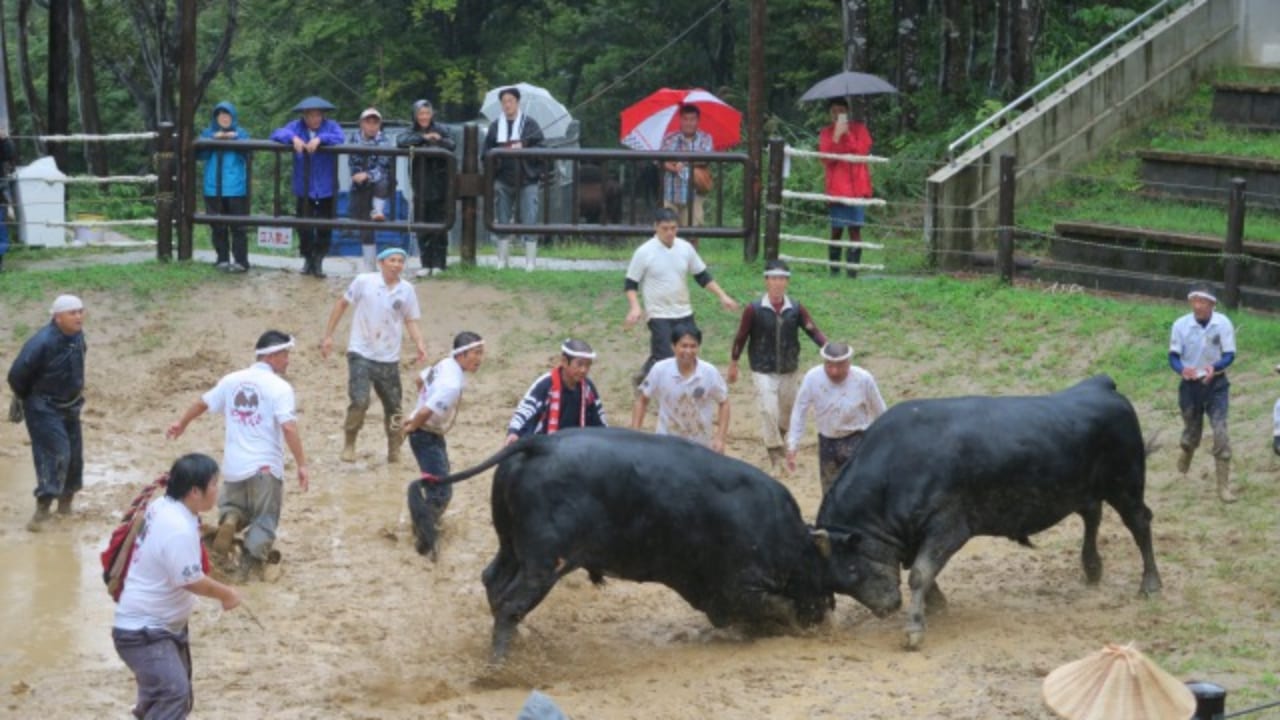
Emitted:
<point x="560" y="399"/>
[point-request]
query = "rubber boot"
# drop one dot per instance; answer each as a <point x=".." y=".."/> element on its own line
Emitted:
<point x="226" y="534"/>
<point x="349" y="446"/>
<point x="530" y="255"/>
<point x="306" y="264"/>
<point x="1226" y="493"/>
<point x="504" y="252"/>
<point x="370" y="255"/>
<point x="317" y="265"/>
<point x="1184" y="460"/>
<point x="64" y="504"/>
<point x="394" y="439"/>
<point x="41" y="515"/>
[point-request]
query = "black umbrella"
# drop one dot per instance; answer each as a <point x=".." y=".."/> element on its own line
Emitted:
<point x="315" y="102"/>
<point x="845" y="84"/>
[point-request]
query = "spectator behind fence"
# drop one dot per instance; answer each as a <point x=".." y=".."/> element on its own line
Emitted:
<point x="370" y="182"/>
<point x="845" y="179"/>
<point x="679" y="175"/>
<point x="226" y="188"/>
<point x="8" y="159"/>
<point x="314" y="193"/>
<point x="517" y="179"/>
<point x="430" y="184"/>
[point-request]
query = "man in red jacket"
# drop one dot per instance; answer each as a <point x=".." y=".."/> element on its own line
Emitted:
<point x="845" y="179"/>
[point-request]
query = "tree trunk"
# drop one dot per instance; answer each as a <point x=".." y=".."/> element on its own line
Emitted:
<point x="34" y="105"/>
<point x="726" y="46"/>
<point x="857" y="22"/>
<point x="1000" y="56"/>
<point x="1026" y="27"/>
<point x="978" y="21"/>
<point x="907" y="15"/>
<point x="951" y="69"/>
<point x="58" y="78"/>
<point x="221" y="53"/>
<point x="87" y="87"/>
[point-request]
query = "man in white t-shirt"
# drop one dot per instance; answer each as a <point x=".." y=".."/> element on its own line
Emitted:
<point x="166" y="573"/>
<point x="660" y="270"/>
<point x="259" y="408"/>
<point x="439" y="395"/>
<point x="1202" y="346"/>
<point x="845" y="401"/>
<point x="385" y="305"/>
<point x="693" y="401"/>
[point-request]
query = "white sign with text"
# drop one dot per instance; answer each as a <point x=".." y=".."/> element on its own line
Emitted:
<point x="280" y="238"/>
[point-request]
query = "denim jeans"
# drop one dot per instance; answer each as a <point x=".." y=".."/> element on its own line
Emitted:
<point x="428" y="501"/>
<point x="504" y="198"/>
<point x="56" y="446"/>
<point x="161" y="664"/>
<point x="1195" y="400"/>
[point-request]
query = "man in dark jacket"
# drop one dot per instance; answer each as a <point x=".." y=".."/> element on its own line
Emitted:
<point x="430" y="184"/>
<point x="770" y="331"/>
<point x="315" y="175"/>
<point x="47" y="379"/>
<point x="517" y="179"/>
<point x="226" y="188"/>
<point x="561" y="399"/>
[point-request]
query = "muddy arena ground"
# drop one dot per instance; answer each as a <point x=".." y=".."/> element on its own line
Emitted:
<point x="355" y="624"/>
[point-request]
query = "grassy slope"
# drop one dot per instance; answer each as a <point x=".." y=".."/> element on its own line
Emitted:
<point x="1105" y="190"/>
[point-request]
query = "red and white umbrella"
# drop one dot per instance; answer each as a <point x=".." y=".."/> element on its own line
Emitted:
<point x="653" y="118"/>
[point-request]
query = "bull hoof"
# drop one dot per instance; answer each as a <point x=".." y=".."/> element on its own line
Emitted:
<point x="914" y="639"/>
<point x="1150" y="588"/>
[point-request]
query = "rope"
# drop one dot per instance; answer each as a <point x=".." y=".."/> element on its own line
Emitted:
<point x="796" y="152"/>
<point x="95" y="180"/>
<point x="828" y="263"/>
<point x="819" y="197"/>
<point x="97" y="138"/>
<point x="830" y="243"/>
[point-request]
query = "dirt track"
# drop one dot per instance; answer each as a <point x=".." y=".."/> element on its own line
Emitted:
<point x="359" y="626"/>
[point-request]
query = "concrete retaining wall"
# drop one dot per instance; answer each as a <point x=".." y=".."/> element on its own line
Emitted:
<point x="1071" y="126"/>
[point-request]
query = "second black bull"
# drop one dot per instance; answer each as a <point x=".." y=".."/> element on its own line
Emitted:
<point x="931" y="474"/>
<point x="725" y="536"/>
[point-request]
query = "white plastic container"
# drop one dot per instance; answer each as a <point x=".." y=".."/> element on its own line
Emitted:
<point x="41" y="203"/>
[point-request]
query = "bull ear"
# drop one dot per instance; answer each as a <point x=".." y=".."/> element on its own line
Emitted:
<point x="822" y="540"/>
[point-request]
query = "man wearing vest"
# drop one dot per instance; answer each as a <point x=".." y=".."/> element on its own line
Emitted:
<point x="770" y="332"/>
<point x="560" y="399"/>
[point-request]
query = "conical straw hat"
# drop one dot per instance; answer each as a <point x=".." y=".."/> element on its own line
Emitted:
<point x="1117" y="682"/>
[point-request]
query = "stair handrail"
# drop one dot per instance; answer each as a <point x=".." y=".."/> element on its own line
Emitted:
<point x="1030" y="94"/>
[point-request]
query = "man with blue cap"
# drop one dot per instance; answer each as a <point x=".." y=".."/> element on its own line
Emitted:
<point x="47" y="380"/>
<point x="314" y="175"/>
<point x="384" y="304"/>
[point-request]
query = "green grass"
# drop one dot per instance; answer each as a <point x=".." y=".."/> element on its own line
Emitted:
<point x="143" y="281"/>
<point x="1190" y="129"/>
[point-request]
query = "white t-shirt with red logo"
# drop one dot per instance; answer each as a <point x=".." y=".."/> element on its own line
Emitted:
<point x="166" y="558"/>
<point x="255" y="402"/>
<point x="378" y="316"/>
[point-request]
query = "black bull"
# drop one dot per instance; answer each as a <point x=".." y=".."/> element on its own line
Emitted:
<point x="930" y="474"/>
<point x="725" y="536"/>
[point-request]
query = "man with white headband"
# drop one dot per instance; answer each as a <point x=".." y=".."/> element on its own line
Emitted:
<point x="560" y="399"/>
<point x="47" y="380"/>
<point x="1201" y="348"/>
<point x="439" y="396"/>
<point x="770" y="333"/>
<point x="260" y="412"/>
<point x="385" y="306"/>
<point x="845" y="401"/>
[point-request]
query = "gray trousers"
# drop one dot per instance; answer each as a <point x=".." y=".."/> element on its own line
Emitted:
<point x="506" y="200"/>
<point x="833" y="454"/>
<point x="161" y="665"/>
<point x="1195" y="400"/>
<point x="256" y="501"/>
<point x="383" y="378"/>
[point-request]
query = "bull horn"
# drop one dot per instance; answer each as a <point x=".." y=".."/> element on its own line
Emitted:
<point x="822" y="539"/>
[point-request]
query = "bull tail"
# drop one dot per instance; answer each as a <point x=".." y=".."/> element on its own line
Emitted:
<point x="1152" y="444"/>
<point x="506" y="452"/>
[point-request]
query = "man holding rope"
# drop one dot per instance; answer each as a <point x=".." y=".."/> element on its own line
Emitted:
<point x="385" y="304"/>
<point x="259" y="408"/>
<point x="439" y="397"/>
<point x="845" y="401"/>
<point x="845" y="179"/>
<point x="560" y="399"/>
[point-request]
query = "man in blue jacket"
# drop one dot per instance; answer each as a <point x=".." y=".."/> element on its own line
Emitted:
<point x="226" y="188"/>
<point x="47" y="380"/>
<point x="315" y="175"/>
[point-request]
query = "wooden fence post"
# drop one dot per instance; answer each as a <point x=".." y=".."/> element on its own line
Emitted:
<point x="164" y="192"/>
<point x="1233" y="248"/>
<point x="467" y="181"/>
<point x="1004" y="250"/>
<point x="773" y="199"/>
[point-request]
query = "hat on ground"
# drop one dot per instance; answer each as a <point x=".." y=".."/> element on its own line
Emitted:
<point x="371" y="112"/>
<point x="392" y="251"/>
<point x="315" y="102"/>
<point x="1117" y="682"/>
<point x="65" y="303"/>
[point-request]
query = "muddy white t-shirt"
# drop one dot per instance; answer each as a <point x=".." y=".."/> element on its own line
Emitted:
<point x="166" y="558"/>
<point x="255" y="402"/>
<point x="839" y="409"/>
<point x="441" y="392"/>
<point x="687" y="406"/>
<point x="663" y="276"/>
<point x="378" y="316"/>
